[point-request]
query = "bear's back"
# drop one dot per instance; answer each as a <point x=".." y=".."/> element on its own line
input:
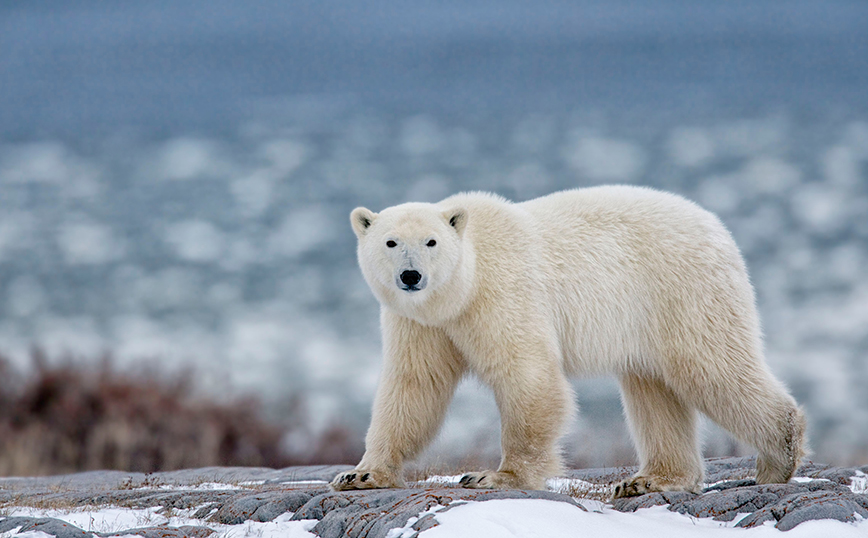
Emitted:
<point x="622" y="265"/>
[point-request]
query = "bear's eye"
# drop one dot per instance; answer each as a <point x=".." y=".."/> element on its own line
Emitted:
<point x="431" y="243"/>
<point x="391" y="244"/>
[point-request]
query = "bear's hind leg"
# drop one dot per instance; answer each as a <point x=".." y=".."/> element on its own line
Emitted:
<point x="664" y="431"/>
<point x="756" y="408"/>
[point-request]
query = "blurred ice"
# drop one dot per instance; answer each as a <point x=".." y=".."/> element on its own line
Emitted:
<point x="284" y="156"/>
<point x="820" y="208"/>
<point x="769" y="175"/>
<point x="305" y="229"/>
<point x="840" y="165"/>
<point x="251" y="275"/>
<point x="747" y="137"/>
<point x="50" y="163"/>
<point x="429" y="188"/>
<point x="195" y="240"/>
<point x="85" y="242"/>
<point x="691" y="147"/>
<point x="420" y="136"/>
<point x="189" y="158"/>
<point x="76" y="336"/>
<point x="184" y="198"/>
<point x="24" y="297"/>
<point x="719" y="194"/>
<point x="17" y="232"/>
<point x="603" y="159"/>
<point x="529" y="180"/>
<point x="253" y="193"/>
<point x="534" y="135"/>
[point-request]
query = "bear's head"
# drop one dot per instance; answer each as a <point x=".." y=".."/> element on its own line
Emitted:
<point x="414" y="258"/>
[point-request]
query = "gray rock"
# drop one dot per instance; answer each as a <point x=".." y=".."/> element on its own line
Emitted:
<point x="54" y="527"/>
<point x="794" y="509"/>
<point x="94" y="481"/>
<point x="164" y="531"/>
<point x="263" y="506"/>
<point x="260" y="494"/>
<point x="631" y="504"/>
<point x="787" y="505"/>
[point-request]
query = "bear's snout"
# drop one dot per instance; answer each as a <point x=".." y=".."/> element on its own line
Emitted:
<point x="411" y="278"/>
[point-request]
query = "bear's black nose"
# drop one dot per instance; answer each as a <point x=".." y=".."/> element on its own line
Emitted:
<point x="411" y="278"/>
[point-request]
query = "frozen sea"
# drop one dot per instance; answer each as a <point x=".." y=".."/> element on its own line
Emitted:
<point x="175" y="178"/>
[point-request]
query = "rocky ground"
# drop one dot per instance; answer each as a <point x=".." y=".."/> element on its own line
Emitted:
<point x="219" y="496"/>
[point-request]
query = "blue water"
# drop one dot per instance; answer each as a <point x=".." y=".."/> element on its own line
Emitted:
<point x="175" y="177"/>
<point x="92" y="68"/>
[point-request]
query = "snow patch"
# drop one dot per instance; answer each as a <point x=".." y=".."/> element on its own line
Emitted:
<point x="440" y="480"/>
<point x="204" y="486"/>
<point x="859" y="482"/>
<point x="407" y="530"/>
<point x="532" y="518"/>
<point x="576" y="487"/>
<point x="302" y="483"/>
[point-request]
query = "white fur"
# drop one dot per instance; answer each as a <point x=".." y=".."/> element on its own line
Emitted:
<point x="627" y="281"/>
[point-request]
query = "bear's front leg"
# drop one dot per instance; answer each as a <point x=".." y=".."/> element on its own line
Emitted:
<point x="421" y="370"/>
<point x="535" y="401"/>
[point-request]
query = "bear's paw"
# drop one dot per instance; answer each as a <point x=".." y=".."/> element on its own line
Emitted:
<point x="364" y="479"/>
<point x="494" y="480"/>
<point x="640" y="485"/>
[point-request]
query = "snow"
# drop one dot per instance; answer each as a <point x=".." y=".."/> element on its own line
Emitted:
<point x="29" y="534"/>
<point x="204" y="486"/>
<point x="441" y="480"/>
<point x="115" y="519"/>
<point x="537" y="518"/>
<point x="302" y="483"/>
<point x="570" y="486"/>
<point x="281" y="527"/>
<point x="859" y="482"/>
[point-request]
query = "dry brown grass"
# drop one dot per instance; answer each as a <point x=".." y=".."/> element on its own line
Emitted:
<point x="73" y="415"/>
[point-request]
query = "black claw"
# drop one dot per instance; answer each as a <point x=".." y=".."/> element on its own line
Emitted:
<point x="618" y="489"/>
<point x="465" y="480"/>
<point x="350" y="477"/>
<point x="365" y="477"/>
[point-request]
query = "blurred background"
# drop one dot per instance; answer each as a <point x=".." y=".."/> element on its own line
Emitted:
<point x="178" y="283"/>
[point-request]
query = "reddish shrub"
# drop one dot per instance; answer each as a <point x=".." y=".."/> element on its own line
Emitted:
<point x="73" y="415"/>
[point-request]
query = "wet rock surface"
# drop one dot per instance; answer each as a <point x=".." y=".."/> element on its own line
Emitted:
<point x="219" y="496"/>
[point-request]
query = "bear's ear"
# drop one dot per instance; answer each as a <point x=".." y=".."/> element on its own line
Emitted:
<point x="361" y="219"/>
<point x="457" y="218"/>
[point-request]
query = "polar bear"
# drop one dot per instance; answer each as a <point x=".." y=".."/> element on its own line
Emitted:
<point x="622" y="280"/>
